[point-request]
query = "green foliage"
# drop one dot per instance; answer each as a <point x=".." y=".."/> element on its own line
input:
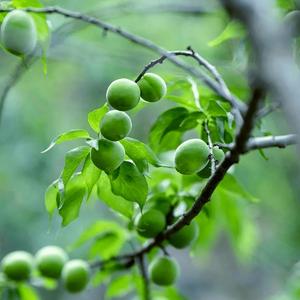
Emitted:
<point x="95" y="117"/>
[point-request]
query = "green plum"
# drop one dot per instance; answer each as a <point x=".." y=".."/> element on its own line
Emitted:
<point x="150" y="223"/>
<point x="123" y="94"/>
<point x="18" y="33"/>
<point x="75" y="275"/>
<point x="185" y="236"/>
<point x="115" y="125"/>
<point x="17" y="265"/>
<point x="164" y="271"/>
<point x="109" y="155"/>
<point x="50" y="261"/>
<point x="153" y="87"/>
<point x="191" y="156"/>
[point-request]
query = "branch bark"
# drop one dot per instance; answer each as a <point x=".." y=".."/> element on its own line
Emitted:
<point x="280" y="141"/>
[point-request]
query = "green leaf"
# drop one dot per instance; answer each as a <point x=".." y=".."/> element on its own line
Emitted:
<point x="286" y="4"/>
<point x="97" y="229"/>
<point x="232" y="186"/>
<point x="72" y="199"/>
<point x="91" y="175"/>
<point x="95" y="116"/>
<point x="68" y="136"/>
<point x="26" y="292"/>
<point x="51" y="195"/>
<point x="215" y="109"/>
<point x="116" y="203"/>
<point x="140" y="153"/>
<point x="233" y="30"/>
<point x="5" y="5"/>
<point x="129" y="183"/>
<point x="119" y="286"/>
<point x="72" y="160"/>
<point x="168" y="121"/>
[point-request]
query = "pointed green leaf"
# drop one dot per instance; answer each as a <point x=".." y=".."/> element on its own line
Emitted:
<point x="233" y="30"/>
<point x="116" y="203"/>
<point x="168" y="121"/>
<point x="140" y="153"/>
<point x="129" y="183"/>
<point x="119" y="286"/>
<point x="95" y="116"/>
<point x="51" y="195"/>
<point x="73" y="197"/>
<point x="72" y="160"/>
<point x="91" y="175"/>
<point x="68" y="136"/>
<point x="27" y="292"/>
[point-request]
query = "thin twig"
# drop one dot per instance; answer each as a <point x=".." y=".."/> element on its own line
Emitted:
<point x="145" y="278"/>
<point x="211" y="146"/>
<point x="215" y="86"/>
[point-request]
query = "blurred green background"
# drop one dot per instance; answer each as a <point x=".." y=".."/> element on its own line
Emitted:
<point x="80" y="67"/>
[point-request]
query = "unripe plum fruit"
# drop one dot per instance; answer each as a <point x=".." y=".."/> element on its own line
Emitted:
<point x="123" y="94"/>
<point x="17" y="265"/>
<point x="185" y="236"/>
<point x="75" y="275"/>
<point x="292" y="23"/>
<point x="191" y="156"/>
<point x="18" y="33"/>
<point x="218" y="154"/>
<point x="115" y="125"/>
<point x="153" y="87"/>
<point x="50" y="261"/>
<point x="164" y="271"/>
<point x="150" y="223"/>
<point x="109" y="155"/>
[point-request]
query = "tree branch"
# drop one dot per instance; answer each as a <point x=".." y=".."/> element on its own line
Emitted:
<point x="210" y="145"/>
<point x="280" y="141"/>
<point x="215" y="86"/>
<point x="271" y="43"/>
<point x="145" y="278"/>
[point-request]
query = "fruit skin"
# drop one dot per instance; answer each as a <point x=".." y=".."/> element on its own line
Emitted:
<point x="191" y="156"/>
<point x="18" y="33"/>
<point x="109" y="155"/>
<point x="115" y="125"/>
<point x="218" y="154"/>
<point x="75" y="275"/>
<point x="17" y="265"/>
<point x="150" y="223"/>
<point x="153" y="87"/>
<point x="163" y="271"/>
<point x="160" y="203"/>
<point x="123" y="94"/>
<point x="185" y="236"/>
<point x="50" y="261"/>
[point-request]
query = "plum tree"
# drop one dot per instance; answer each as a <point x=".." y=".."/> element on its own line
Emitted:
<point x="185" y="236"/>
<point x="109" y="155"/>
<point x="191" y="156"/>
<point x="153" y="87"/>
<point x="17" y="265"/>
<point x="50" y="261"/>
<point x="123" y="94"/>
<point x="163" y="271"/>
<point x="18" y="33"/>
<point x="115" y="125"/>
<point x="75" y="275"/>
<point x="150" y="223"/>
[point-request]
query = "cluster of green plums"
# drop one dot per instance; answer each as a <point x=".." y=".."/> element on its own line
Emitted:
<point x="50" y="262"/>
<point x="123" y="95"/>
<point x="18" y="33"/>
